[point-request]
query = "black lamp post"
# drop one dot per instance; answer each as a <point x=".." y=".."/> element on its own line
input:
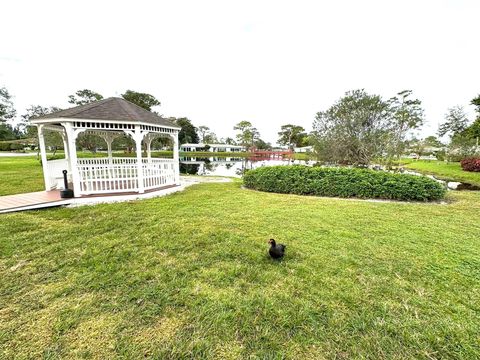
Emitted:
<point x="66" y="193"/>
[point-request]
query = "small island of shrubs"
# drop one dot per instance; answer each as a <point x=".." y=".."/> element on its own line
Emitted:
<point x="343" y="182"/>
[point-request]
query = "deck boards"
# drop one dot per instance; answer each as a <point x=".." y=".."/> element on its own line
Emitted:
<point x="42" y="198"/>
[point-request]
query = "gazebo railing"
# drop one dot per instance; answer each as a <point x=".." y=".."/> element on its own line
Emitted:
<point x="54" y="172"/>
<point x="106" y="160"/>
<point x="158" y="173"/>
<point x="104" y="175"/>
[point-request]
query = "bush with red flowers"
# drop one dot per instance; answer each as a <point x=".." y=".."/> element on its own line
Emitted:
<point x="471" y="164"/>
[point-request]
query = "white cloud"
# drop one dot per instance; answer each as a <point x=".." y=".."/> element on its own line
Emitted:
<point x="219" y="62"/>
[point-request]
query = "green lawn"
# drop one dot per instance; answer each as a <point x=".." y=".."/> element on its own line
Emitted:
<point x="187" y="276"/>
<point x="449" y="171"/>
<point x="20" y="174"/>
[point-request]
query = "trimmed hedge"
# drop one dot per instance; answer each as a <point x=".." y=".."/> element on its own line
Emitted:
<point x="11" y="146"/>
<point x="343" y="182"/>
<point x="471" y="164"/>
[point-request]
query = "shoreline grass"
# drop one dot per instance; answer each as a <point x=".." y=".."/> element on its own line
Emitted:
<point x="450" y="171"/>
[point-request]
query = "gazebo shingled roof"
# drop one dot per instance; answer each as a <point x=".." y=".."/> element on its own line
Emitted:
<point x="112" y="108"/>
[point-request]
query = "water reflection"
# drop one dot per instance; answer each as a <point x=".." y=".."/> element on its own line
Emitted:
<point x="228" y="166"/>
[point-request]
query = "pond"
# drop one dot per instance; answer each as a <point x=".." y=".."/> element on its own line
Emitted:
<point x="228" y="166"/>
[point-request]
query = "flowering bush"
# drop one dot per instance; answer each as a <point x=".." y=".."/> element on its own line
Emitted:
<point x="470" y="164"/>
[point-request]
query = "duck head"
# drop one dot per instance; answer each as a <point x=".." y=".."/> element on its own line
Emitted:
<point x="272" y="242"/>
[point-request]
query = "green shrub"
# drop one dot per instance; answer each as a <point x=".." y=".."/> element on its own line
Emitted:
<point x="11" y="146"/>
<point x="4" y="146"/>
<point x="343" y="182"/>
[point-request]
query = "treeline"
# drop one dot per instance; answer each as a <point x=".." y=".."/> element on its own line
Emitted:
<point x="21" y="135"/>
<point x="356" y="129"/>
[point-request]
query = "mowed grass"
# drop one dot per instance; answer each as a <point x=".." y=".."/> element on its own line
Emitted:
<point x="187" y="276"/>
<point x="451" y="171"/>
<point x="20" y="174"/>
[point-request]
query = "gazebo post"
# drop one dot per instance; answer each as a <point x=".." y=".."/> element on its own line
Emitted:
<point x="66" y="150"/>
<point x="43" y="155"/>
<point x="72" y="147"/>
<point x="176" y="158"/>
<point x="138" y="136"/>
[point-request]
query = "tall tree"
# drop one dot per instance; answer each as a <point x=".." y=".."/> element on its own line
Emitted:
<point x="82" y="97"/>
<point x="247" y="134"/>
<point x="407" y="114"/>
<point x="52" y="138"/>
<point x="432" y="141"/>
<point x="7" y="110"/>
<point x="7" y="114"/>
<point x="210" y="138"/>
<point x="143" y="100"/>
<point x="230" y="141"/>
<point x="476" y="103"/>
<point x="456" y="122"/>
<point x="188" y="133"/>
<point x="202" y="132"/>
<point x="263" y="145"/>
<point x="473" y="132"/>
<point x="354" y="130"/>
<point x="291" y="135"/>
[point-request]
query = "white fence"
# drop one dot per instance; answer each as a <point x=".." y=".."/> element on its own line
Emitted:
<point x="104" y="175"/>
<point x="158" y="173"/>
<point x="54" y="172"/>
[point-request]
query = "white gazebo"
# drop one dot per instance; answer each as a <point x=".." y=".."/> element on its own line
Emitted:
<point x="109" y="118"/>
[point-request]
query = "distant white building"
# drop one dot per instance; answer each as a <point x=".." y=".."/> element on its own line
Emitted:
<point x="303" y="149"/>
<point x="212" y="147"/>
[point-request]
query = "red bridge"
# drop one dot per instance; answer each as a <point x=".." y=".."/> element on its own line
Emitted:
<point x="256" y="154"/>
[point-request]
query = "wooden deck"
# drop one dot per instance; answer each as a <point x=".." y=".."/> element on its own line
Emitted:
<point x="44" y="199"/>
<point x="32" y="200"/>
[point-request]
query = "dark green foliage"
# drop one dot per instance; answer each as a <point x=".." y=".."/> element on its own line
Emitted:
<point x="83" y="97"/>
<point x="7" y="132"/>
<point x="7" y="110"/>
<point x="16" y="145"/>
<point x="292" y="135"/>
<point x="343" y="182"/>
<point x="143" y="100"/>
<point x="188" y="133"/>
<point x="476" y="102"/>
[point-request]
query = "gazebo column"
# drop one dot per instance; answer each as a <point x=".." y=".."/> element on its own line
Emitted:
<point x="66" y="150"/>
<point x="43" y="155"/>
<point x="176" y="158"/>
<point x="138" y="137"/>
<point x="72" y="135"/>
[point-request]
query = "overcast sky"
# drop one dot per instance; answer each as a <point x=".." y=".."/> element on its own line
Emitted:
<point x="220" y="62"/>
